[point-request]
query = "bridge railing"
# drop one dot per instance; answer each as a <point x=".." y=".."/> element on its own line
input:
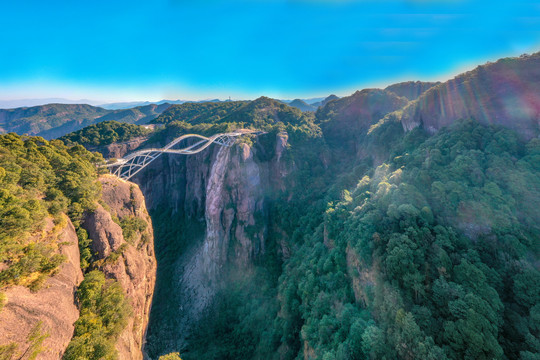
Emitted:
<point x="131" y="164"/>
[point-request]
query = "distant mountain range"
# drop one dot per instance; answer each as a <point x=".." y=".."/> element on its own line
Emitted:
<point x="54" y="120"/>
<point x="309" y="104"/>
<point x="132" y="104"/>
<point x="505" y="92"/>
<point x="11" y="104"/>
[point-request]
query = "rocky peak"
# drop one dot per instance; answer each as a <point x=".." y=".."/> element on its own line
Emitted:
<point x="505" y="93"/>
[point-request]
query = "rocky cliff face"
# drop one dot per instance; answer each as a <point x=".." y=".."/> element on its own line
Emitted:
<point x="411" y="90"/>
<point x="126" y="253"/>
<point x="234" y="203"/>
<point x="505" y="93"/>
<point x="225" y="190"/>
<point x="53" y="305"/>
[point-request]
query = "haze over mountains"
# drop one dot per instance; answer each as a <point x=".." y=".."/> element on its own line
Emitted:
<point x="57" y="119"/>
<point x="491" y="93"/>
<point x="11" y="104"/>
<point x="54" y="120"/>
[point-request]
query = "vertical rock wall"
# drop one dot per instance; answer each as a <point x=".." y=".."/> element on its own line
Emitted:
<point x="226" y="191"/>
<point x="135" y="268"/>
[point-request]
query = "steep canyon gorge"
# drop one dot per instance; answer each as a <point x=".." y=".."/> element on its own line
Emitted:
<point x="213" y="209"/>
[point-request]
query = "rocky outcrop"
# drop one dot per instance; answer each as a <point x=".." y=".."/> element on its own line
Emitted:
<point x="130" y="260"/>
<point x="53" y="305"/>
<point x="411" y="90"/>
<point x="505" y="93"/>
<point x="234" y="201"/>
<point x="224" y="188"/>
<point x="133" y="264"/>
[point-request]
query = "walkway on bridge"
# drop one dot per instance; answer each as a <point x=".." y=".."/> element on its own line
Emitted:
<point x="131" y="164"/>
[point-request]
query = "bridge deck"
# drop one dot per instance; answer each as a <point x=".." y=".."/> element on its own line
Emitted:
<point x="131" y="164"/>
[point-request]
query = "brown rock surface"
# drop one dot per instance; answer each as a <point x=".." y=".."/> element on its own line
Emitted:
<point x="135" y="268"/>
<point x="505" y="93"/>
<point x="105" y="233"/>
<point x="53" y="304"/>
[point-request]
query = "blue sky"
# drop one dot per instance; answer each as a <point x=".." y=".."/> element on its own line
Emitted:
<point x="149" y="50"/>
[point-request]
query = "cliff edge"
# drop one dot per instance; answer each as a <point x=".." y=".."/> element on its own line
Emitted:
<point x="122" y="238"/>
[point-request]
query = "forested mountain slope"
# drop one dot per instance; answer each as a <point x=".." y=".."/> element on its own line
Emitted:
<point x="195" y="113"/>
<point x="54" y="120"/>
<point x="77" y="266"/>
<point x="432" y="255"/>
<point x="259" y="112"/>
<point x="345" y="121"/>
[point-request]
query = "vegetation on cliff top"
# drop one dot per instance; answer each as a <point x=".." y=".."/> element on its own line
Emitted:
<point x="257" y="113"/>
<point x="40" y="181"/>
<point x="198" y="113"/>
<point x="104" y="313"/>
<point x="105" y="133"/>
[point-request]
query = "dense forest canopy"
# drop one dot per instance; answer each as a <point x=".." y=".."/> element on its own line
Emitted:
<point x="105" y="133"/>
<point x="42" y="181"/>
<point x="55" y="120"/>
<point x="431" y="255"/>
<point x="259" y="113"/>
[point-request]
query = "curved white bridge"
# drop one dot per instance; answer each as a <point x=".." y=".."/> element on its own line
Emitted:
<point x="138" y="160"/>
